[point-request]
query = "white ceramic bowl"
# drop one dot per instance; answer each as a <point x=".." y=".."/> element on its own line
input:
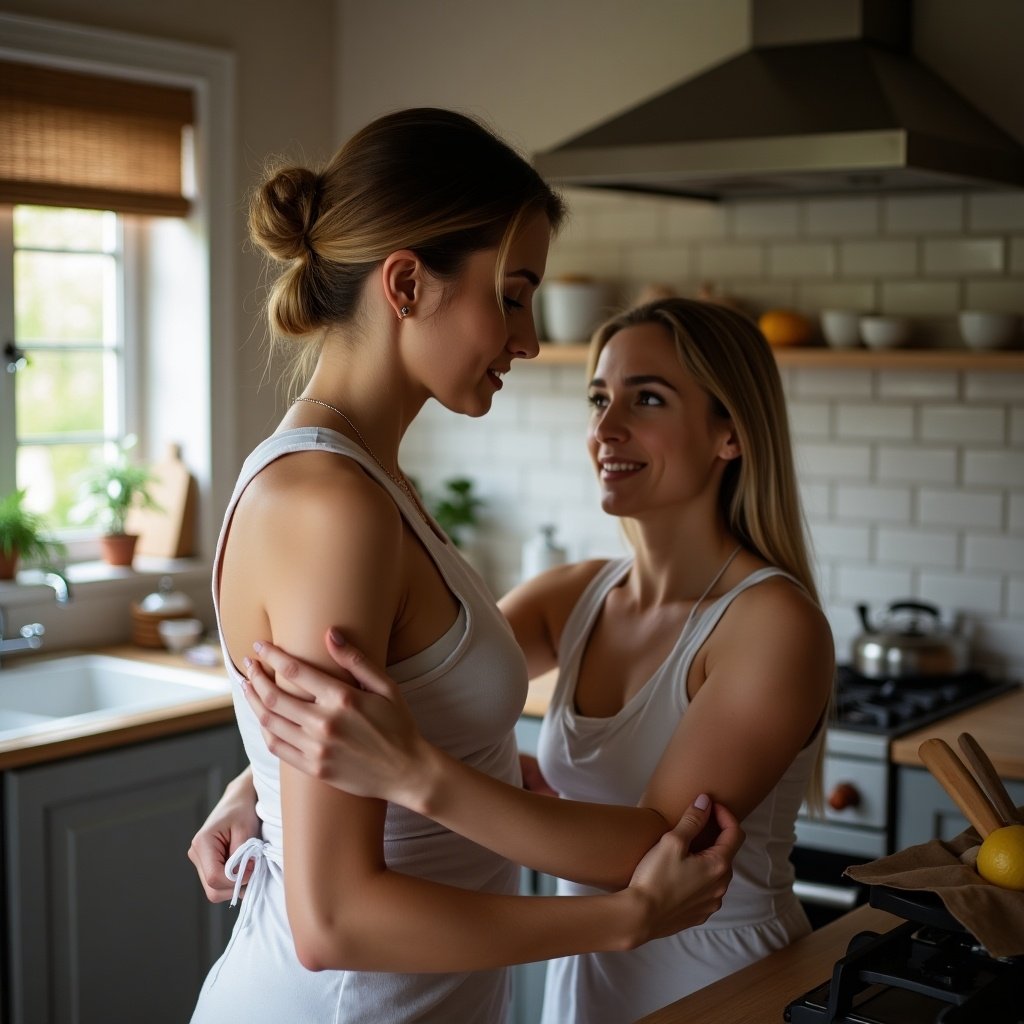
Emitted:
<point x="841" y="327"/>
<point x="180" y="634"/>
<point x="983" y="330"/>
<point x="884" y="331"/>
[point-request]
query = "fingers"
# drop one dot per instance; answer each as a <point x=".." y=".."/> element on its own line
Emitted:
<point x="362" y="670"/>
<point x="731" y="836"/>
<point x="692" y="823"/>
<point x="209" y="864"/>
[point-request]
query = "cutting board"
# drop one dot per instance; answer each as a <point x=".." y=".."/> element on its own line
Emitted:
<point x="169" y="532"/>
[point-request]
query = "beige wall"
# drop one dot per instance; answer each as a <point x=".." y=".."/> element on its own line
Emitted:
<point x="285" y="67"/>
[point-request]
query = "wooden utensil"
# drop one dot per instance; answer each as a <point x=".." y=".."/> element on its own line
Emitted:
<point x="988" y="777"/>
<point x="952" y="774"/>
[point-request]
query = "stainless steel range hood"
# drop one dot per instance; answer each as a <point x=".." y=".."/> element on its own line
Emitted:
<point x="851" y="112"/>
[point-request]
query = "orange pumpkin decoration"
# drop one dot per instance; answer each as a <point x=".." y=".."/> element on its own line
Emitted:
<point x="785" y="327"/>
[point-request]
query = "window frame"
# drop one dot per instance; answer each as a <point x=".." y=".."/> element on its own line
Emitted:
<point x="212" y="231"/>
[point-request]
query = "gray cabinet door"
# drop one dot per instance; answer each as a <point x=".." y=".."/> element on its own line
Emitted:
<point x="106" y="920"/>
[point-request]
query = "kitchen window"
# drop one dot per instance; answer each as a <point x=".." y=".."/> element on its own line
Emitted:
<point x="65" y="290"/>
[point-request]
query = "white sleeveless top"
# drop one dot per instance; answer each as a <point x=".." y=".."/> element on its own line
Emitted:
<point x="611" y="760"/>
<point x="466" y="692"/>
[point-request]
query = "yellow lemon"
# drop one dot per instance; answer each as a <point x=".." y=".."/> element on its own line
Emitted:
<point x="1001" y="858"/>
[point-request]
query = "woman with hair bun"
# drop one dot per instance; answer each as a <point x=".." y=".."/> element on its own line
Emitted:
<point x="407" y="267"/>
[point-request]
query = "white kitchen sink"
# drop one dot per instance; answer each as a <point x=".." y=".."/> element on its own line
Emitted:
<point x="86" y="688"/>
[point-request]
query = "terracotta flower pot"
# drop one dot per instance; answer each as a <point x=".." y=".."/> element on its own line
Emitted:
<point x="118" y="548"/>
<point x="8" y="565"/>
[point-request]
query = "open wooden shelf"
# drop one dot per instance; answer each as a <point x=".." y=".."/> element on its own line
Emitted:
<point x="856" y="358"/>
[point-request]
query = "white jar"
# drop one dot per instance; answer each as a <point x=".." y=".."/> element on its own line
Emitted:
<point x="572" y="309"/>
<point x="541" y="553"/>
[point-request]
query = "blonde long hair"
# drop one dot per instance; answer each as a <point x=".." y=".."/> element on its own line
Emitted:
<point x="759" y="498"/>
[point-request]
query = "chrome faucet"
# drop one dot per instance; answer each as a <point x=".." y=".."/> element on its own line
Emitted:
<point x="30" y="636"/>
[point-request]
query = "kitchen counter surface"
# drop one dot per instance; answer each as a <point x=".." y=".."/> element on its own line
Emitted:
<point x="997" y="725"/>
<point x="120" y="730"/>
<point x="759" y="993"/>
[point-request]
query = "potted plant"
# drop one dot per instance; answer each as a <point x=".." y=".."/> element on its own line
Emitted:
<point x="23" y="535"/>
<point x="109" y="491"/>
<point x="456" y="509"/>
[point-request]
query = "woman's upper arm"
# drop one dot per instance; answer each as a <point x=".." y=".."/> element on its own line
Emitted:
<point x="768" y="680"/>
<point x="537" y="610"/>
<point x="338" y="563"/>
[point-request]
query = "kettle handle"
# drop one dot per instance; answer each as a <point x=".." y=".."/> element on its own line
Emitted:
<point x="862" y="611"/>
<point x="916" y="606"/>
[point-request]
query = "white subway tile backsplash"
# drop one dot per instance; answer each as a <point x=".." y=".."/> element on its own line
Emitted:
<point x="945" y="256"/>
<point x="936" y="214"/>
<point x="809" y="419"/>
<point x="688" y="220"/>
<point x="638" y="222"/>
<point x="658" y="263"/>
<point x="873" y="503"/>
<point x="874" y="583"/>
<point x="996" y="211"/>
<point x="920" y="298"/>
<point x="802" y="259"/>
<point x="730" y="260"/>
<point x="875" y="258"/>
<point x="832" y="461"/>
<point x="1015" y="518"/>
<point x="842" y="217"/>
<point x="962" y="592"/>
<point x="859" y="295"/>
<point x="1015" y="599"/>
<point x="918" y="384"/>
<point x="998" y="468"/>
<point x="1006" y="386"/>
<point x="962" y="423"/>
<point x="600" y="261"/>
<point x="1017" y="255"/>
<point x="999" y="296"/>
<point x="965" y="509"/>
<point x="875" y="420"/>
<point x="833" y="383"/>
<point x="816" y="499"/>
<point x="771" y="219"/>
<point x="1001" y="554"/>
<point x="917" y="465"/>
<point x="834" y="541"/>
<point x="917" y="547"/>
<point x="1017" y="426"/>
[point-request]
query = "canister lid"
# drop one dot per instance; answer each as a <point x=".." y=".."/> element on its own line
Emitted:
<point x="166" y="600"/>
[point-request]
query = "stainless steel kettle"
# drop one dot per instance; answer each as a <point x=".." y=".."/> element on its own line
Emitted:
<point x="911" y="641"/>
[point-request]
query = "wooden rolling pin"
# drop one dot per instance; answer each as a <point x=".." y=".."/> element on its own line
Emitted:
<point x="952" y="774"/>
<point x="986" y="774"/>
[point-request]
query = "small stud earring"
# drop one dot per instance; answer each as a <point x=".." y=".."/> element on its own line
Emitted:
<point x="403" y="312"/>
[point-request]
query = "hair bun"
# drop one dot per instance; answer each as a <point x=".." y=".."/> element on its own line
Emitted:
<point x="283" y="211"/>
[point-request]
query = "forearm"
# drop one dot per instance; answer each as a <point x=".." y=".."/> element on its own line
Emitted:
<point x="394" y="922"/>
<point x="594" y="844"/>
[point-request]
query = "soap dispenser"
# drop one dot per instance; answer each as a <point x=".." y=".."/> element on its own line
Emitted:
<point x="541" y="552"/>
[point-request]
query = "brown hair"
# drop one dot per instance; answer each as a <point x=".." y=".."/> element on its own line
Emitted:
<point x="434" y="181"/>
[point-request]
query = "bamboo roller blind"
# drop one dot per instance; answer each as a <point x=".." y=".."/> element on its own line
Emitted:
<point x="72" y="139"/>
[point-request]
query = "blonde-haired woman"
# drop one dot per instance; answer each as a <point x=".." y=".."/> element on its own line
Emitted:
<point x="407" y="268"/>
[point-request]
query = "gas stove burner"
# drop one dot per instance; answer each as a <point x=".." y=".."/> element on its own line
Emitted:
<point x="894" y="706"/>
<point x="927" y="970"/>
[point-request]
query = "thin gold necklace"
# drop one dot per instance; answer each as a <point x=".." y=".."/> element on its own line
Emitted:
<point x="399" y="481"/>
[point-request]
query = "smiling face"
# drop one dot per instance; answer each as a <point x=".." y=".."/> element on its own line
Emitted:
<point x="654" y="436"/>
<point x="472" y="341"/>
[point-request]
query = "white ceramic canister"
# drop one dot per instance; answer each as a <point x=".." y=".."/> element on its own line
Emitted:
<point x="541" y="552"/>
<point x="572" y="309"/>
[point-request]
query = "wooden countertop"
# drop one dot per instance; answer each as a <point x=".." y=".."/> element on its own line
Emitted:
<point x="119" y="730"/>
<point x="759" y="993"/>
<point x="998" y="725"/>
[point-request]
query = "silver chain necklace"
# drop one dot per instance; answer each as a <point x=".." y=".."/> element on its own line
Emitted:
<point x="398" y="481"/>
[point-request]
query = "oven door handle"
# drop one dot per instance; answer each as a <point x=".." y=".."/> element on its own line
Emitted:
<point x="840" y="897"/>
